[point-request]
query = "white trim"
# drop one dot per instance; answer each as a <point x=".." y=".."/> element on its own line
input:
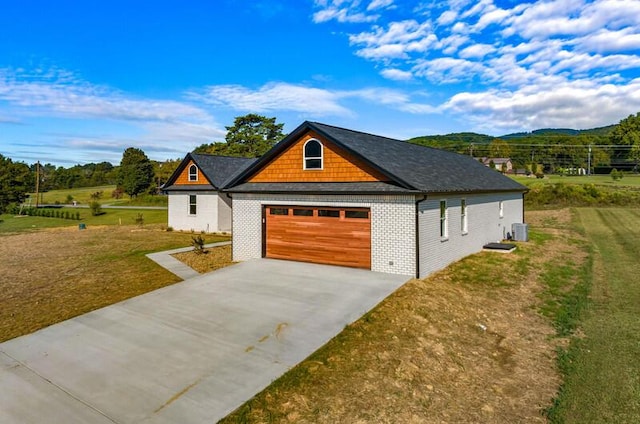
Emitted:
<point x="192" y="166"/>
<point x="444" y="220"/>
<point x="305" y="158"/>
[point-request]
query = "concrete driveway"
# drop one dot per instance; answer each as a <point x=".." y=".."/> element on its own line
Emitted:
<point x="188" y="353"/>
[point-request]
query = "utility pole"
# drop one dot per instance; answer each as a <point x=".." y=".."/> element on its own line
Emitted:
<point x="589" y="162"/>
<point x="37" y="183"/>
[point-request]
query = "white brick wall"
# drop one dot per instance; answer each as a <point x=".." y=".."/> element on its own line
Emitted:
<point x="484" y="226"/>
<point x="213" y="212"/>
<point x="392" y="226"/>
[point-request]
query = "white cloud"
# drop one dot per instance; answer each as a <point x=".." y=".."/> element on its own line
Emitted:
<point x="273" y="97"/>
<point x="305" y="100"/>
<point x="396" y="74"/>
<point x="33" y="92"/>
<point x="605" y="41"/>
<point x="379" y="4"/>
<point x="447" y="17"/>
<point x="477" y="51"/>
<point x="578" y="104"/>
<point x="344" y="11"/>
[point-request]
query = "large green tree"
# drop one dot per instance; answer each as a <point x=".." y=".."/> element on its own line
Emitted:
<point x="136" y="172"/>
<point x="627" y="133"/>
<point x="250" y="135"/>
<point x="16" y="181"/>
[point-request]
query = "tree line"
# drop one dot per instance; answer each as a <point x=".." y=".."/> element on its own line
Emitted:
<point x="250" y="136"/>
<point x="553" y="150"/>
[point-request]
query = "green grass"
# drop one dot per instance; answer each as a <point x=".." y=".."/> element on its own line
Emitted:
<point x="13" y="224"/>
<point x="601" y="367"/>
<point x="629" y="180"/>
<point x="83" y="196"/>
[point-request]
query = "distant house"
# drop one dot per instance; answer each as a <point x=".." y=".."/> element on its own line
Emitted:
<point x="336" y="196"/>
<point x="196" y="202"/>
<point x="501" y="164"/>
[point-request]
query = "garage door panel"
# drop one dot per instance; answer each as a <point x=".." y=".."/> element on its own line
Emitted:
<point x="319" y="239"/>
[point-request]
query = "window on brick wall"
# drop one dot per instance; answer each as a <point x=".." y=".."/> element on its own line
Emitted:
<point x="463" y="216"/>
<point x="444" y="231"/>
<point x="193" y="204"/>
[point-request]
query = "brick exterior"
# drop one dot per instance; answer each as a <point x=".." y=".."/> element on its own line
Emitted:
<point x="392" y="226"/>
<point x="213" y="212"/>
<point x="483" y="223"/>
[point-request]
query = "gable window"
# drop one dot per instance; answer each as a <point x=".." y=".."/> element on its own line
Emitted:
<point x="463" y="216"/>
<point x="444" y="231"/>
<point x="313" y="154"/>
<point x="193" y="173"/>
<point x="501" y="209"/>
<point x="193" y="204"/>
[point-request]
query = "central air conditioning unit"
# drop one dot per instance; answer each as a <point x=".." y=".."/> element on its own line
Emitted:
<point x="520" y="232"/>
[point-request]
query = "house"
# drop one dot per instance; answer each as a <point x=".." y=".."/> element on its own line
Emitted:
<point x="196" y="202"/>
<point x="335" y="196"/>
<point x="500" y="164"/>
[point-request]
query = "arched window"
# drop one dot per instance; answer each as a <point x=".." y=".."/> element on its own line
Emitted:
<point x="193" y="173"/>
<point x="313" y="154"/>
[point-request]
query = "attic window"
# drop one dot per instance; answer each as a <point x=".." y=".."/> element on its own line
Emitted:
<point x="193" y="173"/>
<point x="313" y="154"/>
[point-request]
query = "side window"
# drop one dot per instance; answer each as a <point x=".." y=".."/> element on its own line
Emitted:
<point x="193" y="204"/>
<point x="313" y="154"/>
<point x="444" y="231"/>
<point x="463" y="216"/>
<point x="193" y="173"/>
<point x="501" y="209"/>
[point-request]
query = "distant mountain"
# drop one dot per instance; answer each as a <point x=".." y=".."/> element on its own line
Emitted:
<point x="601" y="131"/>
<point x="471" y="137"/>
<point x="463" y="137"/>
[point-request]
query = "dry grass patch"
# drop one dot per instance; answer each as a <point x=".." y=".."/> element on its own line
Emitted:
<point x="52" y="275"/>
<point x="211" y="259"/>
<point x="464" y="345"/>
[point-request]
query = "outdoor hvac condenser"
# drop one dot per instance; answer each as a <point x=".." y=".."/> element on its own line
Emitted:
<point x="520" y="232"/>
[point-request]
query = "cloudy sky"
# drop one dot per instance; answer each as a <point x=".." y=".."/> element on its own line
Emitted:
<point x="80" y="81"/>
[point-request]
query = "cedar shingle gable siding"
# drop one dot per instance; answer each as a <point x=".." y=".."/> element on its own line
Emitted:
<point x="338" y="165"/>
<point x="183" y="177"/>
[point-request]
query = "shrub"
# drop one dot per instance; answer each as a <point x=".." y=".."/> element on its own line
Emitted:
<point x="66" y="215"/>
<point x="96" y="208"/>
<point x="139" y="220"/>
<point x="117" y="193"/>
<point x="77" y="216"/>
<point x="96" y="196"/>
<point x="198" y="244"/>
<point x="69" y="198"/>
<point x="616" y="175"/>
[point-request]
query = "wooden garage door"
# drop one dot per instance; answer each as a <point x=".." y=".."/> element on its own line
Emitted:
<point x="335" y="236"/>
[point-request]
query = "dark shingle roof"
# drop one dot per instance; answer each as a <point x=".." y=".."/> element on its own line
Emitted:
<point x="414" y="167"/>
<point x="218" y="170"/>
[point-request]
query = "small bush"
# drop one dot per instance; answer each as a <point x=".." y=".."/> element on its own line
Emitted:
<point x="616" y="175"/>
<point x="77" y="216"/>
<point x="169" y="229"/>
<point x="117" y="193"/>
<point x="139" y="220"/>
<point x="198" y="244"/>
<point x="96" y="208"/>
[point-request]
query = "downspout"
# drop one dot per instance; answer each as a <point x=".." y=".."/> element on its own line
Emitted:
<point x="424" y="197"/>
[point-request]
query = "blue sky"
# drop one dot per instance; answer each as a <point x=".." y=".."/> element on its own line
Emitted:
<point x="80" y="81"/>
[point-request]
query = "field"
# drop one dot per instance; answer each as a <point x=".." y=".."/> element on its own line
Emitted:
<point x="83" y="197"/>
<point x="629" y="180"/>
<point x="51" y="275"/>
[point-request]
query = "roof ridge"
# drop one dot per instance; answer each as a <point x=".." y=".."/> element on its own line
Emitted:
<point x="405" y="142"/>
